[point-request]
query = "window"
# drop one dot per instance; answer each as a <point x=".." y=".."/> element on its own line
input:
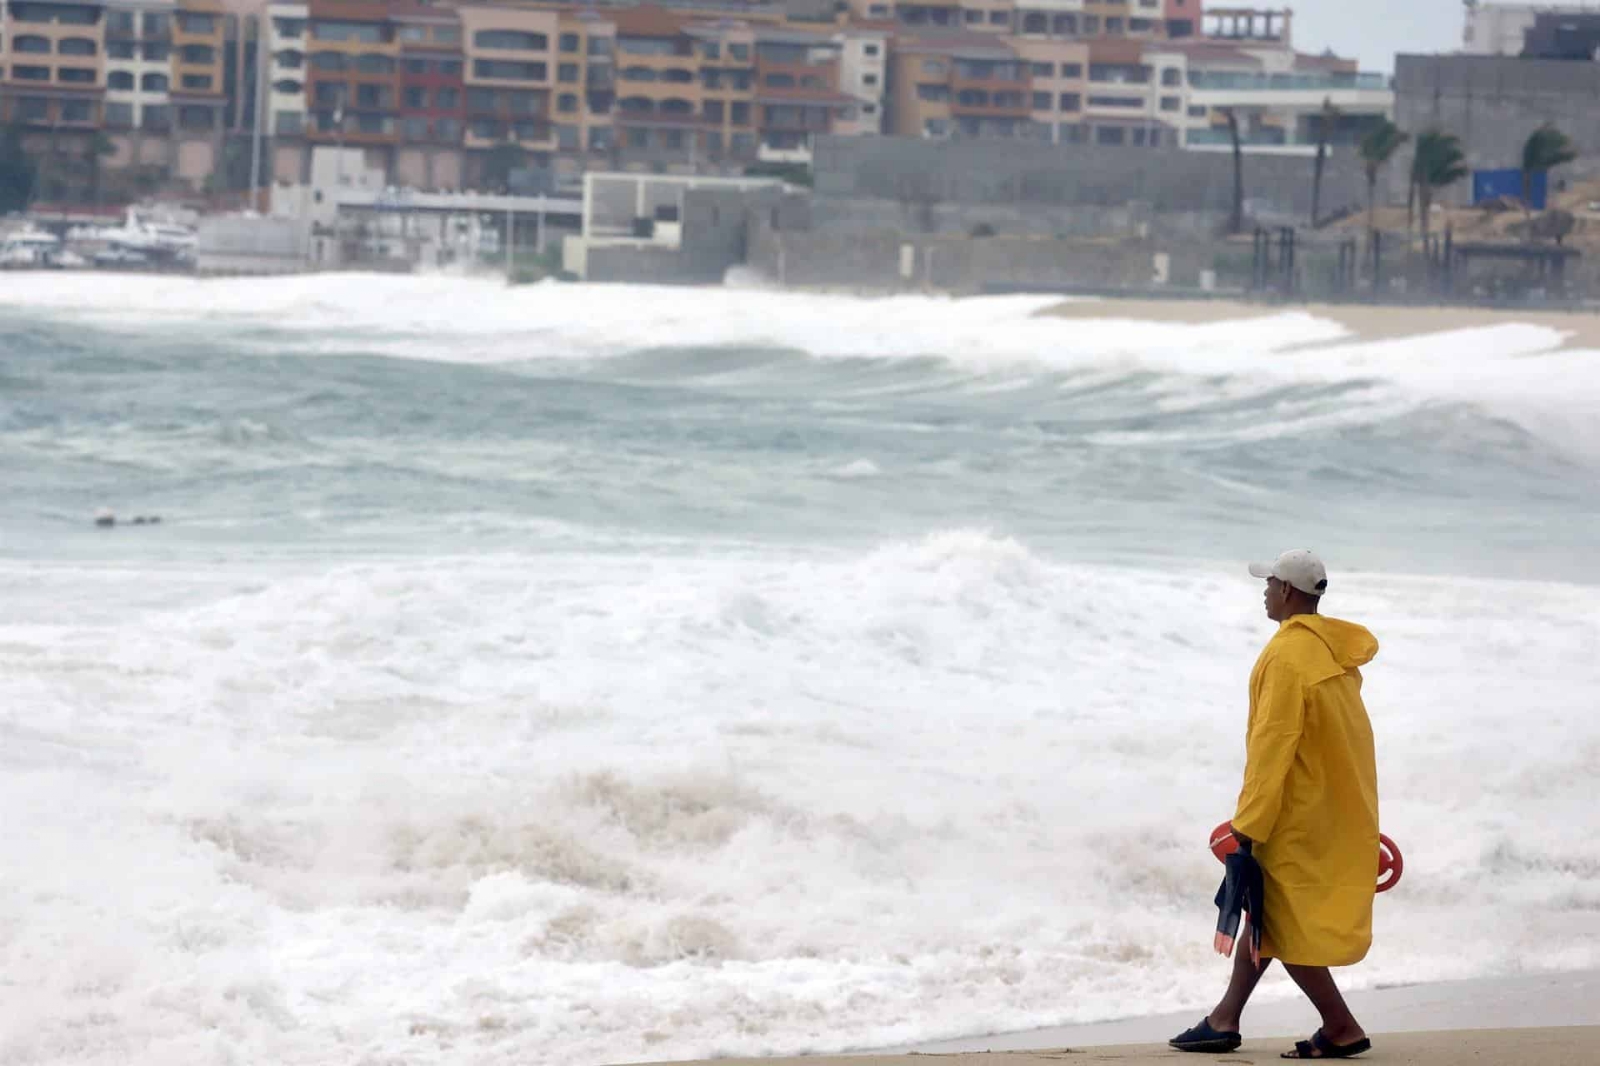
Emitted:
<point x="511" y="40"/>
<point x="523" y="103"/>
<point x="869" y="79"/>
<point x="119" y="80"/>
<point x="740" y="113"/>
<point x="933" y="94"/>
<point x="156" y="116"/>
<point x="481" y="100"/>
<point x="1116" y="101"/>
<point x="447" y="99"/>
<point x="288" y="124"/>
<point x="153" y="83"/>
<point x="417" y="66"/>
<point x="119" y="116"/>
<point x="570" y="42"/>
<point x="77" y="110"/>
<point x="567" y="138"/>
<point x="120" y="49"/>
<point x="1115" y="26"/>
<point x="1171" y="76"/>
<point x="972" y="16"/>
<point x="76" y="46"/>
<point x="288" y="87"/>
<point x="677" y="76"/>
<point x="329" y="93"/>
<point x="780" y="81"/>
<point x="936" y="127"/>
<point x="1043" y="70"/>
<point x="374" y="64"/>
<point x="711" y="49"/>
<point x="599" y="138"/>
<point x="869" y="109"/>
<point x="33" y="108"/>
<point x="1091" y="25"/>
<point x="333" y="62"/>
<point x="292" y="28"/>
<point x="1171" y="103"/>
<point x="713" y="110"/>
<point x="119" y="22"/>
<point x="999" y="18"/>
<point x="289" y="59"/>
<point x="567" y="103"/>
<point x="1109" y="135"/>
<point x="935" y="68"/>
<point x="447" y="129"/>
<point x="75" y="76"/>
<point x="567" y="72"/>
<point x="638" y="138"/>
<point x="157" y="24"/>
<point x="1138" y="137"/>
<point x="31" y="45"/>
<point x="195" y="22"/>
<point x="869" y="50"/>
<point x="739" y="51"/>
<point x="601" y="46"/>
<point x="198" y="54"/>
<point x="878" y="11"/>
<point x="31" y="73"/>
<point x="195" y="118"/>
<point x="714" y="146"/>
<point x="1071" y="101"/>
<point x="374" y="124"/>
<point x="156" y="51"/>
<point x="373" y="96"/>
<point x="1041" y="101"/>
<point x="450" y="68"/>
<point x="638" y="74"/>
<point x="1072" y="70"/>
<point x="672" y="139"/>
<point x="413" y="34"/>
<point x="416" y="98"/>
<point x="1119" y="73"/>
<point x="505" y="68"/>
<point x="446" y="35"/>
<point x="1140" y="25"/>
<point x="1198" y="111"/>
<point x="414" y="129"/>
<point x="197" y="82"/>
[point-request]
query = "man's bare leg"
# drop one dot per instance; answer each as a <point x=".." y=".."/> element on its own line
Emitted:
<point x="1246" y="975"/>
<point x="1338" y="1024"/>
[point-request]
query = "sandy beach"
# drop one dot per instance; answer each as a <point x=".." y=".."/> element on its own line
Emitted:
<point x="1365" y="323"/>
<point x="1505" y="1021"/>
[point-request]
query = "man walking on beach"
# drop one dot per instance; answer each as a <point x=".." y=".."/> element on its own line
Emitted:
<point x="1308" y="811"/>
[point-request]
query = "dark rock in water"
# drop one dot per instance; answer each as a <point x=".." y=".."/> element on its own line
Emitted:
<point x="105" y="519"/>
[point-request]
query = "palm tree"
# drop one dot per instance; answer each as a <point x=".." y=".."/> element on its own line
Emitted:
<point x="1328" y="119"/>
<point x="1378" y="146"/>
<point x="1438" y="162"/>
<point x="1236" y="220"/>
<point x="1545" y="149"/>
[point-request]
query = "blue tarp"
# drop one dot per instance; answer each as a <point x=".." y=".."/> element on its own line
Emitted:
<point x="1487" y="184"/>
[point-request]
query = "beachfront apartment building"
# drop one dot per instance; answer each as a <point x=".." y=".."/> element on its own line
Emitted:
<point x="446" y="94"/>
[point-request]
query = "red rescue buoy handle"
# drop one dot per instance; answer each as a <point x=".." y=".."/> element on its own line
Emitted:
<point x="1391" y="864"/>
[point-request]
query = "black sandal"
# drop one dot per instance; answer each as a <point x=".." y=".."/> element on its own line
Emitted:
<point x="1320" y="1047"/>
<point x="1206" y="1039"/>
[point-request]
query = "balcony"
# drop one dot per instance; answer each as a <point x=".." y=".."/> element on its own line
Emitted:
<point x="1319" y="82"/>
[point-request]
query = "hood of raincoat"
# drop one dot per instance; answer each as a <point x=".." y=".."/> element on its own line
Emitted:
<point x="1348" y="645"/>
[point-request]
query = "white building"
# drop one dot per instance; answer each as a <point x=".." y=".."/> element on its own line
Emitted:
<point x="286" y="72"/>
<point x="863" y="74"/>
<point x="138" y="49"/>
<point x="1248" y="65"/>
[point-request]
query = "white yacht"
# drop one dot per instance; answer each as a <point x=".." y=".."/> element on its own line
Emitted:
<point x="29" y="247"/>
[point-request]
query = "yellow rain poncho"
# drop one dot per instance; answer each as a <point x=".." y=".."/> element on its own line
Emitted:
<point x="1310" y="796"/>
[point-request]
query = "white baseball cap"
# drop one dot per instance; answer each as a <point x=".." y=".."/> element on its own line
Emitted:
<point x="1300" y="568"/>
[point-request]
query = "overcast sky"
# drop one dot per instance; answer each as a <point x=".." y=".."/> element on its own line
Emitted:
<point x="1373" y="30"/>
